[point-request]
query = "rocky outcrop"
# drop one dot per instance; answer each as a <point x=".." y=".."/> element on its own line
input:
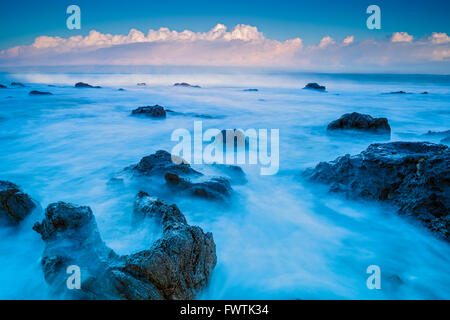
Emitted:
<point x="155" y="111"/>
<point x="177" y="266"/>
<point x="415" y="176"/>
<point x="85" y="85"/>
<point x="39" y="93"/>
<point x="314" y="86"/>
<point x="184" y="84"/>
<point x="17" y="84"/>
<point x="15" y="205"/>
<point x="160" y="163"/>
<point x="362" y="122"/>
<point x="2" y="86"/>
<point x="217" y="188"/>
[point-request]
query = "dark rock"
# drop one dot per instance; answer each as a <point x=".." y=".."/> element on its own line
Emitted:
<point x="142" y="84"/>
<point x="121" y="89"/>
<point x="217" y="188"/>
<point x="415" y="176"/>
<point x="177" y="266"/>
<point x="161" y="163"/>
<point x="399" y="92"/>
<point x="314" y="86"/>
<point x="15" y="205"/>
<point x="2" y="86"/>
<point x="438" y="133"/>
<point x="42" y="93"/>
<point x="425" y="92"/>
<point x="155" y="111"/>
<point x="235" y="173"/>
<point x="250" y="90"/>
<point x="358" y="121"/>
<point x="85" y="85"/>
<point x="17" y="84"/>
<point x="184" y="84"/>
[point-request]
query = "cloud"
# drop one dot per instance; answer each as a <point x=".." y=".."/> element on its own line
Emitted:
<point x="401" y="37"/>
<point x="241" y="46"/>
<point x="438" y="38"/>
<point x="326" y="41"/>
<point x="348" y="40"/>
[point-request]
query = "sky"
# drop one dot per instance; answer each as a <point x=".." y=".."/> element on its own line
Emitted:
<point x="278" y="23"/>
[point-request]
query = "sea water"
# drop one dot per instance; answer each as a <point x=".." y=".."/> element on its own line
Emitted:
<point x="280" y="237"/>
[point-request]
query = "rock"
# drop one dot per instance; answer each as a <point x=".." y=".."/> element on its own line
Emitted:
<point x="177" y="266"/>
<point x="446" y="140"/>
<point x="438" y="133"/>
<point x="314" y="86"/>
<point x="155" y="111"/>
<point x="17" y="84"/>
<point x="250" y="90"/>
<point x="35" y="92"/>
<point x="425" y="92"/>
<point x="184" y="84"/>
<point x="414" y="176"/>
<point x="142" y="84"/>
<point x="15" y="205"/>
<point x="235" y="173"/>
<point x="85" y="85"/>
<point x="358" y="121"/>
<point x="121" y="89"/>
<point x="217" y="188"/>
<point x="161" y="163"/>
<point x="2" y="86"/>
<point x="399" y="92"/>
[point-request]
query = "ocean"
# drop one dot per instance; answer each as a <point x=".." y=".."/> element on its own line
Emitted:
<point x="280" y="237"/>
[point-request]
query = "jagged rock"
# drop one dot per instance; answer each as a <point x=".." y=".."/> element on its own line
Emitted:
<point x="17" y="84"/>
<point x="184" y="84"/>
<point x="415" y="176"/>
<point x="155" y="111"/>
<point x="15" y="205"/>
<point x="217" y="188"/>
<point x="314" y="86"/>
<point x="177" y="266"/>
<point x="85" y="85"/>
<point x="161" y="163"/>
<point x="358" y="121"/>
<point x="35" y="92"/>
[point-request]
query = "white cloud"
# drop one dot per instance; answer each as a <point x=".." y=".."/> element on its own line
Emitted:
<point x="242" y="46"/>
<point x="401" y="37"/>
<point x="438" y="38"/>
<point x="348" y="40"/>
<point x="326" y="41"/>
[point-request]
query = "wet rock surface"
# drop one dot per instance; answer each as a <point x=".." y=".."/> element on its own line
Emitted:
<point x="415" y="176"/>
<point x="155" y="111"/>
<point x="85" y="85"/>
<point x="185" y="84"/>
<point x="2" y="86"/>
<point x="358" y="121"/>
<point x="314" y="86"/>
<point x="15" y="205"/>
<point x="17" y="84"/>
<point x="176" y="266"/>
<point x="40" y="93"/>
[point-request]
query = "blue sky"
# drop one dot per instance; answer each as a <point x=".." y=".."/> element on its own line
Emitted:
<point x="22" y="21"/>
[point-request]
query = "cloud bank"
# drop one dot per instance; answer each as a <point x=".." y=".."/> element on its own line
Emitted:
<point x="242" y="46"/>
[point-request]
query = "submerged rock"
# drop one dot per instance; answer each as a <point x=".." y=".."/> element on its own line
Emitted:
<point x="17" y="84"/>
<point x="2" y="86"/>
<point x="85" y="85"/>
<point x="250" y="90"/>
<point x="358" y="121"/>
<point x="15" y="205"/>
<point x="415" y="176"/>
<point x="398" y="92"/>
<point x="155" y="111"/>
<point x="184" y="84"/>
<point x="35" y="92"/>
<point x="314" y="86"/>
<point x="235" y="173"/>
<point x="177" y="266"/>
<point x="217" y="188"/>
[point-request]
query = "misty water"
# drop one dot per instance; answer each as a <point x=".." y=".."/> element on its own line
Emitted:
<point x="279" y="237"/>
